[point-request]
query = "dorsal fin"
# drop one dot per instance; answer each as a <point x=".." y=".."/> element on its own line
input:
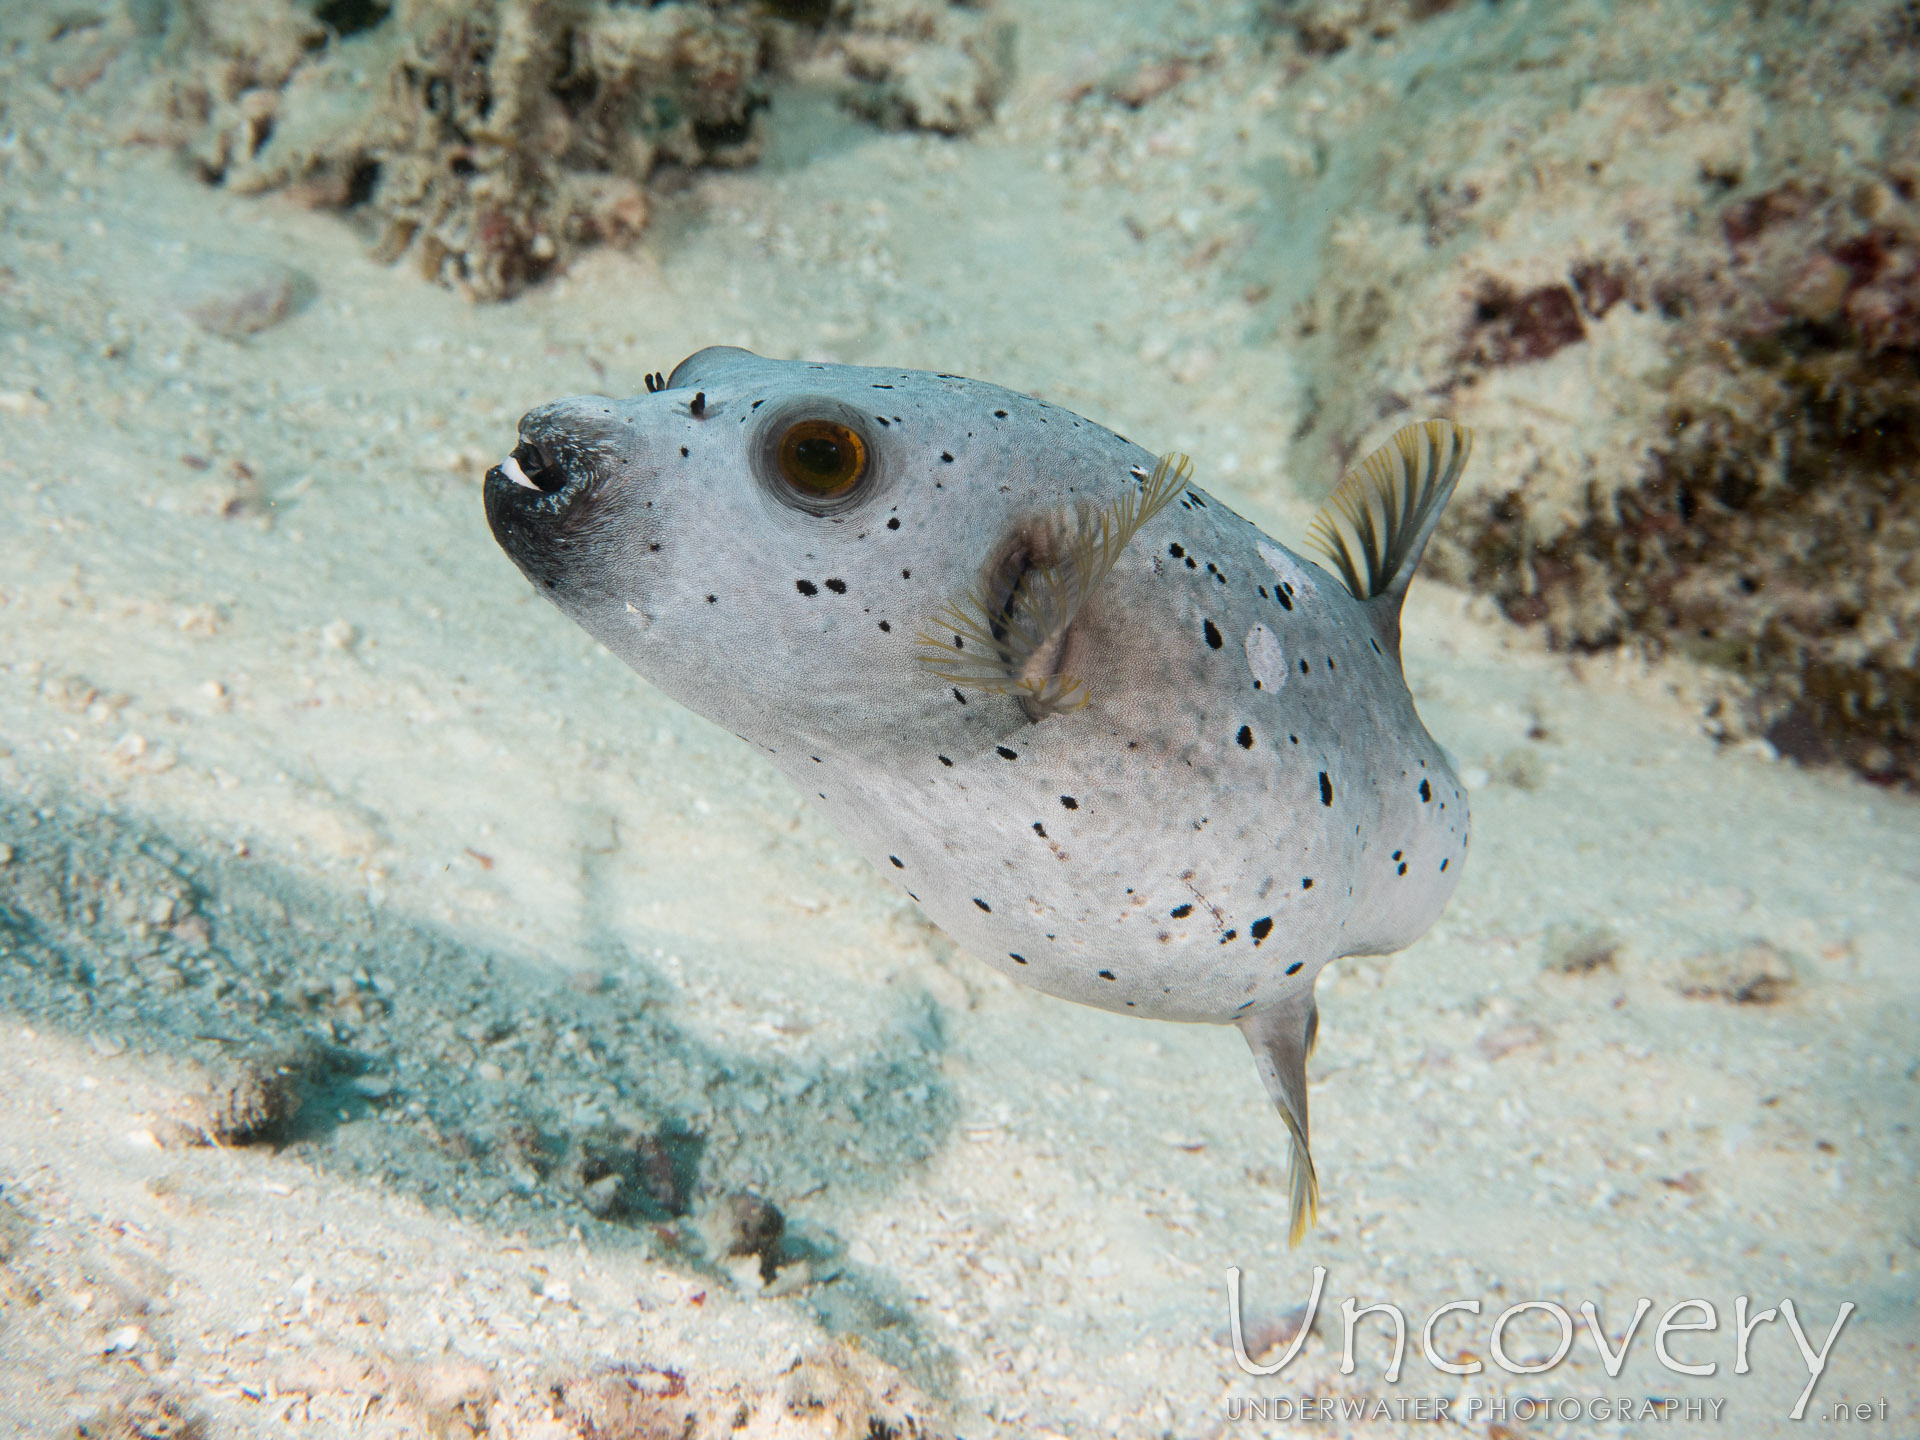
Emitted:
<point x="1376" y="524"/>
<point x="1012" y="649"/>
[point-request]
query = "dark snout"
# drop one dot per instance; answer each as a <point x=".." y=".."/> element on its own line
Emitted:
<point x="546" y="500"/>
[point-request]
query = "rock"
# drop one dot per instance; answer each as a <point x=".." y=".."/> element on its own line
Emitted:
<point x="744" y="1224"/>
<point x="491" y="141"/>
<point x="143" y="1414"/>
<point x="236" y="296"/>
<point x="628" y="1401"/>
<point x="256" y="1097"/>
<point x="1708" y="423"/>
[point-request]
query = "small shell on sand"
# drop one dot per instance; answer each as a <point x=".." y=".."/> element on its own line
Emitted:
<point x="239" y="295"/>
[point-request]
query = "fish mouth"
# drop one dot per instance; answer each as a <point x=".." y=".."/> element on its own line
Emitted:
<point x="538" y="464"/>
<point x="540" y="498"/>
<point x="514" y="468"/>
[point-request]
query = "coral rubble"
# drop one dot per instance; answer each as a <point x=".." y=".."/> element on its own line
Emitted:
<point x="491" y="139"/>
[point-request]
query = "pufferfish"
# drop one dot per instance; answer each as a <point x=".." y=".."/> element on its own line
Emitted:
<point x="1114" y="740"/>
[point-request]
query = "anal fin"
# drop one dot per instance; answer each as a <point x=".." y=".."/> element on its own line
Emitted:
<point x="1281" y="1040"/>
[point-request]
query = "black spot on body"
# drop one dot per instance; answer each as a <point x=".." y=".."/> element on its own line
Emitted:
<point x="1426" y="791"/>
<point x="1230" y="935"/>
<point x="944" y="761"/>
<point x="838" y="587"/>
<point x="1403" y="867"/>
<point x="683" y="452"/>
<point x="1106" y="975"/>
<point x="1069" y="802"/>
<point x="1303" y="667"/>
<point x="896" y="862"/>
<point x="893" y="522"/>
<point x="884" y="626"/>
<point x="999" y="414"/>
<point x="1017" y="959"/>
<point x="1005" y="754"/>
<point x="983" y="905"/>
<point x="1294" y="968"/>
<point x="1212" y="632"/>
<point x="1306" y="882"/>
<point x="1039" y="829"/>
<point x="806" y="587"/>
<point x="1326" y="789"/>
<point x="1175" y="551"/>
<point x="958" y="696"/>
<point x="949" y="460"/>
<point x="1180" y="912"/>
<point x="1261" y="928"/>
<point x="1245" y="738"/>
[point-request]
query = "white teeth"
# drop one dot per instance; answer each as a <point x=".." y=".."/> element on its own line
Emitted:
<point x="510" y="468"/>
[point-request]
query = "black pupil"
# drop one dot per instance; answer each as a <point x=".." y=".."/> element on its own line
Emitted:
<point x="820" y="456"/>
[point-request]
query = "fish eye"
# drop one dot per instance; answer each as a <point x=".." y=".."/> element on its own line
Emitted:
<point x="822" y="459"/>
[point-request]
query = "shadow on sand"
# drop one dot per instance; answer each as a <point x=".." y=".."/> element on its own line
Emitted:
<point x="369" y="1044"/>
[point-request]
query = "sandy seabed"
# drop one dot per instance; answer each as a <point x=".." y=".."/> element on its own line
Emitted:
<point x="294" y="765"/>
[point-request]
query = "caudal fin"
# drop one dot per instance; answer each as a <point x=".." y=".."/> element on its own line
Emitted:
<point x="1376" y="524"/>
<point x="1281" y="1040"/>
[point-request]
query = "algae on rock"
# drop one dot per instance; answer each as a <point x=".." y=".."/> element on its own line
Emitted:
<point x="1684" y="313"/>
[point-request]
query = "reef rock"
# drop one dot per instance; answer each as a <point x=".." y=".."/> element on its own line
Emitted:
<point x="1687" y="328"/>
<point x="491" y="139"/>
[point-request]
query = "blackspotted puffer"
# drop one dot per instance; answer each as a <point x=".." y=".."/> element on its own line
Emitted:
<point x="1116" y="741"/>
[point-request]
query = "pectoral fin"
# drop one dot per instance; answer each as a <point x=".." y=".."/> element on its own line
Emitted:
<point x="1281" y="1040"/>
<point x="1014" y="648"/>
